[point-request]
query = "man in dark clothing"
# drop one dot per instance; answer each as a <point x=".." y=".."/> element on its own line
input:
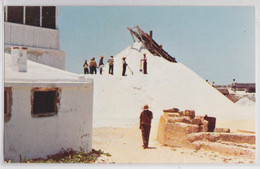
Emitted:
<point x="85" y="65"/>
<point x="144" y="64"/>
<point x="145" y="125"/>
<point x="124" y="66"/>
<point x="101" y="64"/>
<point x="234" y="85"/>
<point x="93" y="66"/>
<point x="111" y="65"/>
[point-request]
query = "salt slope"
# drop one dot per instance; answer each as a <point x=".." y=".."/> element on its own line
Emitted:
<point x="245" y="102"/>
<point x="118" y="100"/>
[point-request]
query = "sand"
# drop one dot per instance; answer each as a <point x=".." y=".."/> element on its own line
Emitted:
<point x="125" y="146"/>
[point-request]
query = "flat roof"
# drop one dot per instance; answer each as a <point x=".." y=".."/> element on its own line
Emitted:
<point x="42" y="74"/>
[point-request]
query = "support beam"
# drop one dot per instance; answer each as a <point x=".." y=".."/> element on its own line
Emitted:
<point x="149" y="43"/>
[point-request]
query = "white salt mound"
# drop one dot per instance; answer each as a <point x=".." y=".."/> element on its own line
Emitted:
<point x="118" y="100"/>
<point x="245" y="102"/>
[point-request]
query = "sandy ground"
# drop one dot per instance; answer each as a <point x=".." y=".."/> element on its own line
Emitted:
<point x="125" y="146"/>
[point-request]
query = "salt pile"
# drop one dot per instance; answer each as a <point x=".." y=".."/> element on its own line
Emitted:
<point x="245" y="102"/>
<point x="118" y="100"/>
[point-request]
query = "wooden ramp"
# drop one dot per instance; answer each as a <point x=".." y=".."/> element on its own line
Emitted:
<point x="149" y="43"/>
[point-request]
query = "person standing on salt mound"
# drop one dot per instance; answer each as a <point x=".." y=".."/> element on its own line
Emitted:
<point x="101" y="64"/>
<point x="93" y="66"/>
<point x="124" y="66"/>
<point x="144" y="64"/>
<point x="111" y="65"/>
<point x="145" y="125"/>
<point x="85" y="66"/>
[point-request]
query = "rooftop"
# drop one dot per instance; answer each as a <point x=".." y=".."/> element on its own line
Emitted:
<point x="39" y="73"/>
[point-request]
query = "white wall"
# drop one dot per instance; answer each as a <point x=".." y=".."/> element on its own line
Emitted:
<point x="38" y="137"/>
<point x="54" y="58"/>
<point x="31" y="36"/>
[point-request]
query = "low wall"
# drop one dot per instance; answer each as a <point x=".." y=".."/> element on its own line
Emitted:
<point x="177" y="129"/>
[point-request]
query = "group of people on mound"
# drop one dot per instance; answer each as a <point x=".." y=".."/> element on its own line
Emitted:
<point x="92" y="66"/>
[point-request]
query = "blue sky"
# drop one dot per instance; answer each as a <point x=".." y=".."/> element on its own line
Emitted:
<point x="218" y="43"/>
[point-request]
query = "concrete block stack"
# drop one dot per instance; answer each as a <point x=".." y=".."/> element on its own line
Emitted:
<point x="183" y="128"/>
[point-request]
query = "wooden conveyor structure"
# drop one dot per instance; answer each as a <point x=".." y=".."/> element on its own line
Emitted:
<point x="149" y="43"/>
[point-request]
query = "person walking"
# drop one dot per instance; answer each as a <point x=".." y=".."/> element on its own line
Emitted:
<point x="146" y="117"/>
<point x="144" y="64"/>
<point x="124" y="66"/>
<point x="111" y="65"/>
<point x="85" y="66"/>
<point x="101" y="64"/>
<point x="93" y="66"/>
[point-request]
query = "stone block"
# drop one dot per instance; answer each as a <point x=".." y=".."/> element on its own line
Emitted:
<point x="204" y="126"/>
<point x="171" y="110"/>
<point x="161" y="130"/>
<point x="196" y="121"/>
<point x="183" y="119"/>
<point x="190" y="113"/>
<point x="172" y="114"/>
<point x="222" y="130"/>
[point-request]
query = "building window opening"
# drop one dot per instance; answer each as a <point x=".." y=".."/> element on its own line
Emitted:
<point x="7" y="104"/>
<point x="32" y="16"/>
<point x="45" y="102"/>
<point x="15" y="14"/>
<point x="48" y="17"/>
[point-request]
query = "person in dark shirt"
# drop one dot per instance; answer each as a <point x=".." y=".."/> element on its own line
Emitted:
<point x="145" y="125"/>
<point x="144" y="64"/>
<point x="85" y="65"/>
<point x="93" y="66"/>
<point x="124" y="66"/>
<point x="234" y="85"/>
<point x="101" y="64"/>
<point x="111" y="65"/>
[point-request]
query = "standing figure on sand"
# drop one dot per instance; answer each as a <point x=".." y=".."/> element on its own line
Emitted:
<point x="93" y="66"/>
<point x="111" y="65"/>
<point x="145" y="125"/>
<point x="101" y="64"/>
<point x="85" y="66"/>
<point x="144" y="60"/>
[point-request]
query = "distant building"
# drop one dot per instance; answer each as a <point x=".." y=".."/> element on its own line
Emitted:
<point x="34" y="27"/>
<point x="248" y="87"/>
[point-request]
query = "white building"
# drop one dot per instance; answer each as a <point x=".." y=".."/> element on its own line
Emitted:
<point x="46" y="109"/>
<point x="34" y="27"/>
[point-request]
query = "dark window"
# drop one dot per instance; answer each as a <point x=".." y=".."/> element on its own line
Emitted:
<point x="7" y="103"/>
<point x="32" y="16"/>
<point x="48" y="17"/>
<point x="45" y="102"/>
<point x="5" y="14"/>
<point x="15" y="14"/>
<point x="251" y="90"/>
